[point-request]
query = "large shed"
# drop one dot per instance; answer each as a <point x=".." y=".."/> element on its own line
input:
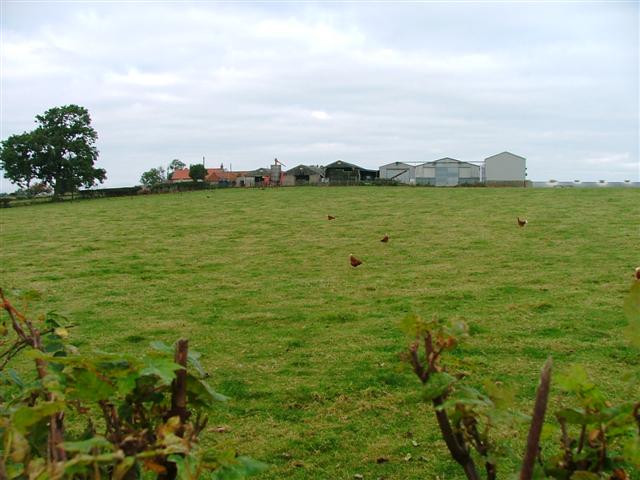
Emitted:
<point x="398" y="172"/>
<point x="505" y="169"/>
<point x="447" y="172"/>
<point x="254" y="178"/>
<point x="342" y="172"/>
<point x="303" y="175"/>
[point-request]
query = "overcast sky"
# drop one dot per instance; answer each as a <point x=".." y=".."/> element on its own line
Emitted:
<point x="369" y="83"/>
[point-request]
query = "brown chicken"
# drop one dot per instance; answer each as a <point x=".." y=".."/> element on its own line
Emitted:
<point x="522" y="223"/>
<point x="637" y="273"/>
<point x="354" y="261"/>
<point x="385" y="239"/>
<point x="330" y="217"/>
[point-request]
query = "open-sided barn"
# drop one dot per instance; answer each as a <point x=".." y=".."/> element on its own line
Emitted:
<point x="303" y="175"/>
<point x="447" y="172"/>
<point x="342" y="172"/>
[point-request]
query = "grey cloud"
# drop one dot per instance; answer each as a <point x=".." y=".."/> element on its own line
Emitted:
<point x="556" y="83"/>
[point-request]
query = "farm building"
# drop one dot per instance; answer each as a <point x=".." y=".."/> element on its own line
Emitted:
<point x="505" y="169"/>
<point x="342" y="172"/>
<point x="447" y="172"/>
<point x="399" y="172"/>
<point x="213" y="175"/>
<point x="254" y="178"/>
<point x="303" y="175"/>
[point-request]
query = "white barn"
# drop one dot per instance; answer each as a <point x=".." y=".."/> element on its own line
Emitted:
<point x="505" y="169"/>
<point x="398" y="172"/>
<point x="447" y="172"/>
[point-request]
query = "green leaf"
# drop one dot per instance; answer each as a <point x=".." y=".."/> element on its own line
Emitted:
<point x="186" y="471"/>
<point x="632" y="312"/>
<point x="88" y="387"/>
<point x="438" y="383"/>
<point x="200" y="392"/>
<point x="575" y="379"/>
<point x="632" y="451"/>
<point x="54" y="320"/>
<point x="577" y="416"/>
<point x="161" y="367"/>
<point x="193" y="357"/>
<point x="25" y="416"/>
<point x="86" y="446"/>
<point x="15" y="378"/>
<point x="162" y="347"/>
<point x="501" y="395"/>
<point x="121" y="469"/>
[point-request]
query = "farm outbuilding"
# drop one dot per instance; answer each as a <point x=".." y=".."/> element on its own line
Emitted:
<point x="447" y="172"/>
<point x="505" y="169"/>
<point x="398" y="172"/>
<point x="254" y="178"/>
<point x="303" y="175"/>
<point x="342" y="172"/>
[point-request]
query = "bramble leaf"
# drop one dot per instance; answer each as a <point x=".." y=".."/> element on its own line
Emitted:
<point x="86" y="446"/>
<point x="438" y="384"/>
<point x="88" y="387"/>
<point x="25" y="416"/>
<point x="161" y="367"/>
<point x="201" y="393"/>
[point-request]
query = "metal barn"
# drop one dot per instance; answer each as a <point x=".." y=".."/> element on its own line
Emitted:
<point x="342" y="172"/>
<point x="505" y="169"/>
<point x="447" y="172"/>
<point x="398" y="172"/>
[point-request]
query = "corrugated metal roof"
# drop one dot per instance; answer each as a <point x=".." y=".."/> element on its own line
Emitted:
<point x="304" y="170"/>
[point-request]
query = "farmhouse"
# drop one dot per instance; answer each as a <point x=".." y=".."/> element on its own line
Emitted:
<point x="447" y="172"/>
<point x="342" y="172"/>
<point x="505" y="169"/>
<point x="399" y="172"/>
<point x="303" y="175"/>
<point x="213" y="175"/>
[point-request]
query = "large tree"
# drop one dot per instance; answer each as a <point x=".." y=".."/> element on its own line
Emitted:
<point x="60" y="152"/>
<point x="152" y="177"/>
<point x="175" y="164"/>
<point x="197" y="172"/>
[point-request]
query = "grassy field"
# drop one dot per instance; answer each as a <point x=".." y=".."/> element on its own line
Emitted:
<point x="306" y="346"/>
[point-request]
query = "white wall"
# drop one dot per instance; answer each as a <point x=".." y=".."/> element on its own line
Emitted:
<point x="505" y="166"/>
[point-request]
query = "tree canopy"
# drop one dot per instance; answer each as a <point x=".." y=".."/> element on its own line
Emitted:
<point x="60" y="152"/>
<point x="152" y="177"/>
<point x="197" y="172"/>
<point x="175" y="164"/>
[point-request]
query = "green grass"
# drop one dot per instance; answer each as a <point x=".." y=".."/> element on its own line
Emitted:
<point x="306" y="346"/>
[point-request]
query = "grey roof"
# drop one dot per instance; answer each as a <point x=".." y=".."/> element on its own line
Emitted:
<point x="260" y="172"/>
<point x="304" y="170"/>
<point x="397" y="164"/>
<point x="343" y="164"/>
<point x="513" y="154"/>
<point x="450" y="160"/>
